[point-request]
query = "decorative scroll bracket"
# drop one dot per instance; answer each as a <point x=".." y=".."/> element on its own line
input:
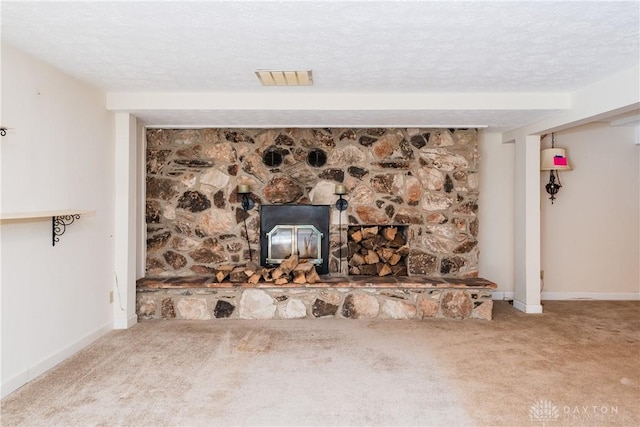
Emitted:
<point x="59" y="226"/>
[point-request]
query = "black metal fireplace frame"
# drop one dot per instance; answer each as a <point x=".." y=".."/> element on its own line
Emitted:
<point x="316" y="215"/>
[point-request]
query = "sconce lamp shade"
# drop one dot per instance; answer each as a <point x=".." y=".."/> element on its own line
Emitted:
<point x="554" y="159"/>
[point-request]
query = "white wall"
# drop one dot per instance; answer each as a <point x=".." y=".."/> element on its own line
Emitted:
<point x="590" y="235"/>
<point x="59" y="155"/>
<point x="496" y="212"/>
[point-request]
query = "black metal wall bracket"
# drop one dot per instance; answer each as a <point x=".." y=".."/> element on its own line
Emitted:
<point x="59" y="226"/>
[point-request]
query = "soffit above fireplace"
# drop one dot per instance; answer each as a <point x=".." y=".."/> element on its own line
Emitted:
<point x="470" y="52"/>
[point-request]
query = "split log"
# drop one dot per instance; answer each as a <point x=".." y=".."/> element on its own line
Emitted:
<point x="251" y="268"/>
<point x="372" y="257"/>
<point x="222" y="271"/>
<point x="277" y="273"/>
<point x="289" y="264"/>
<point x="300" y="279"/>
<point x="398" y="241"/>
<point x="368" y="244"/>
<point x="255" y="278"/>
<point x="356" y="260"/>
<point x="237" y="275"/>
<point x="389" y="233"/>
<point x="394" y="259"/>
<point x="368" y="269"/>
<point x="312" y="276"/>
<point x="383" y="269"/>
<point x="385" y="253"/>
<point x="266" y="274"/>
<point x="399" y="270"/>
<point x="369" y="232"/>
<point x="281" y="281"/>
<point x="356" y="236"/>
<point x="300" y="271"/>
<point x="353" y="247"/>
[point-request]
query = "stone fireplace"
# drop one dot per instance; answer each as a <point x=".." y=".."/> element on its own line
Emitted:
<point x="405" y="248"/>
<point x="425" y="180"/>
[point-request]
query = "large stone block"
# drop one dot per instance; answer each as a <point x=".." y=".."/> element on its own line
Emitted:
<point x="436" y="202"/>
<point x="193" y="309"/>
<point x="215" y="221"/>
<point x="322" y="308"/>
<point x="282" y="189"/>
<point x="371" y="215"/>
<point x="413" y="190"/>
<point x="168" y="309"/>
<point x="349" y="155"/>
<point x="223" y="152"/>
<point x="360" y="306"/>
<point x="431" y="179"/>
<point x="484" y="310"/>
<point x="256" y="304"/>
<point x="456" y="304"/>
<point x="422" y="263"/>
<point x="146" y="307"/>
<point x="429" y="307"/>
<point x="175" y="260"/>
<point x="215" y="178"/>
<point x="444" y="160"/>
<point x="293" y="309"/>
<point x="396" y="309"/>
<point x="194" y="201"/>
<point x="223" y="309"/>
<point x="161" y="188"/>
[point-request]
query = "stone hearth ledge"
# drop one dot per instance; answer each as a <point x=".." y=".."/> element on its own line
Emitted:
<point x="327" y="281"/>
<point x="405" y="298"/>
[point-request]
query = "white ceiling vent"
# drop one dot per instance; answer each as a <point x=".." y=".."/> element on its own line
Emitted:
<point x="285" y="78"/>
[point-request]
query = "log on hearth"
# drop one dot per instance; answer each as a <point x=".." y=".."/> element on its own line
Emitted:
<point x="222" y="272"/>
<point x="291" y="270"/>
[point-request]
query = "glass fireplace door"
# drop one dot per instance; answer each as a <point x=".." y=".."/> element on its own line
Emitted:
<point x="303" y="240"/>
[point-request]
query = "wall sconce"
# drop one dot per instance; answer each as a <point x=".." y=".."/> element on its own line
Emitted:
<point x="247" y="202"/>
<point x="247" y="205"/>
<point x="341" y="204"/>
<point x="553" y="159"/>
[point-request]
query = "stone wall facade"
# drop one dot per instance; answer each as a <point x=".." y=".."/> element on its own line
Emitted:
<point x="426" y="179"/>
<point x="274" y="303"/>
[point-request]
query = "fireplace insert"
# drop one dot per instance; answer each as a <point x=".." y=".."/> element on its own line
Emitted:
<point x="295" y="229"/>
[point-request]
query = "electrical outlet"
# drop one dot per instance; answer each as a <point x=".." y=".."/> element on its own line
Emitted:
<point x="541" y="274"/>
<point x="111" y="297"/>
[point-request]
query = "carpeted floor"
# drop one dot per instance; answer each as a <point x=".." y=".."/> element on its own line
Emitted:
<point x="577" y="364"/>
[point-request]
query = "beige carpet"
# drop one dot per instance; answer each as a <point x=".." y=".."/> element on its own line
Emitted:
<point x="577" y="364"/>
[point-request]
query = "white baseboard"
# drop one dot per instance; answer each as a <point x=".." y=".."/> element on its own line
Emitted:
<point x="559" y="296"/>
<point x="125" y="323"/>
<point x="503" y="295"/>
<point x="12" y="384"/>
<point x="602" y="296"/>
<point x="527" y="308"/>
<point x="41" y="367"/>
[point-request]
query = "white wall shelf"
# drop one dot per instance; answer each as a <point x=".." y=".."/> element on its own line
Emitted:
<point x="60" y="219"/>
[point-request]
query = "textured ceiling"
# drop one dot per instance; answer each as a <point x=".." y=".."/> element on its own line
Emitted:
<point x="356" y="47"/>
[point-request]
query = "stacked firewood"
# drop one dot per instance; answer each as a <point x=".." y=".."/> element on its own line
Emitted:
<point x="377" y="250"/>
<point x="291" y="270"/>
